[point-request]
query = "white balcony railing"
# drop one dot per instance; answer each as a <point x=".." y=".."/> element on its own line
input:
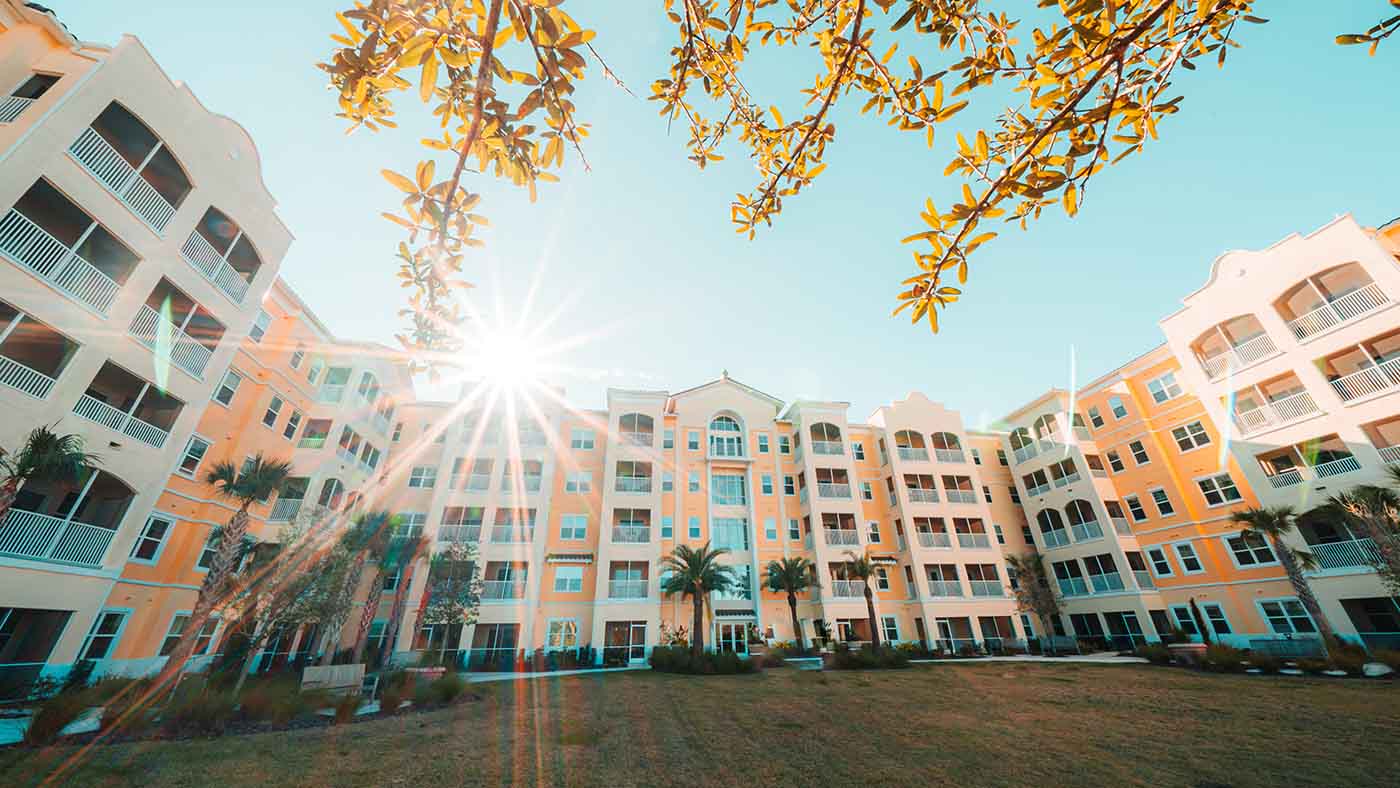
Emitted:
<point x="1286" y="478"/>
<point x="1121" y="526"/>
<point x="637" y="438"/>
<point x="509" y="534"/>
<point x="844" y="537"/>
<point x="331" y="392"/>
<point x="11" y="107"/>
<point x="627" y="589"/>
<point x="32" y="382"/>
<point x="180" y="348"/>
<point x="1348" y="307"/>
<point x="949" y="455"/>
<point x="285" y="510"/>
<point x="98" y="157"/>
<point x="1347" y="554"/>
<point x="1025" y="453"/>
<point x="944" y="588"/>
<point x="634" y="484"/>
<point x="833" y="490"/>
<point x="1242" y="355"/>
<point x="1143" y="579"/>
<point x="1335" y="467"/>
<point x="1368" y="381"/>
<point x="1084" y="532"/>
<point x="827" y="447"/>
<point x="848" y="589"/>
<point x="913" y="454"/>
<point x="1098" y="473"/>
<point x="1039" y="489"/>
<point x="199" y="253"/>
<point x="459" y="533"/>
<point x="503" y="589"/>
<point x="921" y="495"/>
<point x="1391" y="454"/>
<point x="1107" y="583"/>
<point x="631" y="534"/>
<point x="1280" y="411"/>
<point x="962" y="496"/>
<point x="986" y="588"/>
<point x="31" y="246"/>
<point x="44" y="538"/>
<point x="108" y="416"/>
<point x="1059" y="537"/>
<point x="979" y="541"/>
<point x="934" y="539"/>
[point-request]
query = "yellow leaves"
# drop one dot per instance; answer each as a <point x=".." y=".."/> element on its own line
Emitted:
<point x="428" y="82"/>
<point x="777" y="116"/>
<point x="1071" y="200"/>
<point x="424" y="174"/>
<point x="400" y="182"/>
<point x="890" y="53"/>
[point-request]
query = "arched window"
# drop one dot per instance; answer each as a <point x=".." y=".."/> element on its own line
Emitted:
<point x="1020" y="439"/>
<point x="1052" y="528"/>
<point x="826" y="438"/>
<point x="1082" y="520"/>
<point x="726" y="437"/>
<point x="947" y="447"/>
<point x="369" y="387"/>
<point x="1334" y="296"/>
<point x="910" y="445"/>
<point x="636" y="428"/>
<point x="1232" y="344"/>
<point x="1047" y="429"/>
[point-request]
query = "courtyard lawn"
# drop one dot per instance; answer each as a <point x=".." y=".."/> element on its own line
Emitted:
<point x="966" y="724"/>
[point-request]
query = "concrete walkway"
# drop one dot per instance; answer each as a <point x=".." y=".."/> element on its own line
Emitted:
<point x="478" y="678"/>
<point x="1106" y="658"/>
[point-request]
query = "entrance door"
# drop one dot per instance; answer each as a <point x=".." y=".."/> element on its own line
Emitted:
<point x="733" y="637"/>
<point x="923" y="635"/>
<point x="624" y="641"/>
<point x="637" y="651"/>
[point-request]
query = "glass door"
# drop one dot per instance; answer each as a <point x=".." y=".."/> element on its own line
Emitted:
<point x="733" y="637"/>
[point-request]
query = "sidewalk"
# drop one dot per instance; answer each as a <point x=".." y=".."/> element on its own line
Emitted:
<point x="1104" y="658"/>
<point x="478" y="678"/>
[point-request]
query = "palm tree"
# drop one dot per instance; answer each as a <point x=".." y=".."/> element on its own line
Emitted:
<point x="1273" y="524"/>
<point x="861" y="568"/>
<point x="45" y="457"/>
<point x="363" y="540"/>
<point x="376" y="549"/>
<point x="1376" y="511"/>
<point x="257" y="480"/>
<point x="792" y="576"/>
<point x="695" y="572"/>
<point x="404" y="552"/>
<point x="1034" y="594"/>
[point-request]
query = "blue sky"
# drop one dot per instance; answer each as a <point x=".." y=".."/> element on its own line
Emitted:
<point x="638" y="258"/>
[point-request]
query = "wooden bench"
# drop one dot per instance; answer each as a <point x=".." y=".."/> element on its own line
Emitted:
<point x="340" y="679"/>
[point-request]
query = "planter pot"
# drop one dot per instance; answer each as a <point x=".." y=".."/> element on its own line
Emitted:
<point x="1187" y="653"/>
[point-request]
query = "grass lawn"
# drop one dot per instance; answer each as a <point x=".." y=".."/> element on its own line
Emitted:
<point x="975" y="724"/>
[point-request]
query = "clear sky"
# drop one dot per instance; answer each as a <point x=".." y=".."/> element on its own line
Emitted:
<point x="638" y="259"/>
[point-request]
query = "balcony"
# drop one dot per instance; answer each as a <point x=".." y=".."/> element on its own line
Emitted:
<point x="1280" y="411"/>
<point x="637" y="438"/>
<point x="1107" y="583"/>
<point x="27" y="243"/>
<point x="1337" y="467"/>
<point x="145" y="414"/>
<point x="631" y="534"/>
<point x="1390" y="454"/>
<point x="633" y="484"/>
<point x="986" y="588"/>
<point x="1074" y="586"/>
<point x="502" y="589"/>
<point x="1349" y="307"/>
<point x="1026" y="452"/>
<point x="41" y="537"/>
<point x="1055" y="538"/>
<point x="219" y="250"/>
<point x="944" y="588"/>
<point x="1065" y="481"/>
<point x="934" y="539"/>
<point x="1345" y="555"/>
<point x="1371" y="380"/>
<point x="285" y="510"/>
<point x="1039" y="489"/>
<point x="827" y="447"/>
<point x="11" y="107"/>
<point x="1143" y="578"/>
<point x="129" y="184"/>
<point x="1121" y="526"/>
<point x="1239" y="356"/>
<point x="18" y="376"/>
<point x="459" y="533"/>
<point x="962" y="496"/>
<point x="509" y="534"/>
<point x="841" y="537"/>
<point x="32" y="355"/>
<point x="627" y="589"/>
<point x="974" y="541"/>
<point x="912" y="454"/>
<point x="919" y="495"/>
<point x="833" y="490"/>
<point x="949" y="455"/>
<point x="168" y="340"/>
<point x="848" y="589"/>
<point x="1086" y="531"/>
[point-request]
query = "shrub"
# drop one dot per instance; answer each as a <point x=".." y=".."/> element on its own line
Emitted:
<point x="117" y="703"/>
<point x="678" y="659"/>
<point x="1223" y="659"/>
<point x="447" y="688"/>
<point x="278" y="700"/>
<point x="1267" y="663"/>
<point x="774" y="660"/>
<point x="1156" y="653"/>
<point x="345" y="709"/>
<point x="55" y="714"/>
<point x="1388" y="657"/>
<point x="204" y="714"/>
<point x="79" y="675"/>
<point x="869" y="658"/>
<point x="1312" y="666"/>
<point x="1349" y="658"/>
<point x="390" y="700"/>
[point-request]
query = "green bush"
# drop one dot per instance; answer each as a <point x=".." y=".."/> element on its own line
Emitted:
<point x="1313" y="666"/>
<point x="345" y="709"/>
<point x="1349" y="658"/>
<point x="1223" y="659"/>
<point x="118" y="696"/>
<point x="678" y="659"/>
<point x="1156" y="653"/>
<point x="390" y="699"/>
<point x="447" y="688"/>
<point x="203" y="714"/>
<point x="55" y="714"/>
<point x="278" y="700"/>
<point x="1266" y="662"/>
<point x="775" y="660"/>
<point x="869" y="658"/>
<point x="1388" y="657"/>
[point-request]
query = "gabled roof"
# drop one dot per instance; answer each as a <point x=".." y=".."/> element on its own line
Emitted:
<point x="724" y="380"/>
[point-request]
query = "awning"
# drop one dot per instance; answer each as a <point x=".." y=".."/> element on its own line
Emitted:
<point x="569" y="558"/>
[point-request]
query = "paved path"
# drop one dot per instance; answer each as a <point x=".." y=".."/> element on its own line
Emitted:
<point x="1107" y="658"/>
<point x="478" y="678"/>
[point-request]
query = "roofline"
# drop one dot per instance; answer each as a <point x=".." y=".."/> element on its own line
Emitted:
<point x="1049" y="393"/>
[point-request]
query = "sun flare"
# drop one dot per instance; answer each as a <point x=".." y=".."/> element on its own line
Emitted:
<point x="505" y="358"/>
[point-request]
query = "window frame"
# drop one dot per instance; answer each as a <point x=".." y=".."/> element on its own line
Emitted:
<point x="1181" y="559"/>
<point x="1134" y="504"/>
<point x="141" y="538"/>
<point x="429" y="474"/>
<point x="1219" y="489"/>
<point x="223" y="382"/>
<point x="765" y="484"/>
<point x="549" y="633"/>
<point x="570" y="530"/>
<point x="276" y="412"/>
<point x="1170" y="510"/>
<point x="193" y="473"/>
<point x="1255" y="563"/>
<point x="1152" y="560"/>
<point x="579" y="436"/>
<point x="1164" y="389"/>
<point x="569" y="581"/>
<point x="1115" y="404"/>
<point x="1141" y="449"/>
<point x="125" y="614"/>
<point x="1282" y="602"/>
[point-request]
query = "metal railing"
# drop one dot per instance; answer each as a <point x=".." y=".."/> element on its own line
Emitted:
<point x="944" y="588"/>
<point x="986" y="588"/>
<point x="1056" y="538"/>
<point x="634" y="484"/>
<point x="1025" y="453"/>
<point x="637" y="438"/>
<point x="842" y="536"/>
<point x="1389" y="454"/>
<point x="627" y="589"/>
<point x="1075" y="586"/>
<point x="827" y="447"/>
<point x="922" y="495"/>
<point x="1107" y="583"/>
<point x="98" y="157"/>
<point x="11" y="107"/>
<point x="949" y="455"/>
<point x="31" y="246"/>
<point x="1121" y="526"/>
<point x="503" y="589"/>
<point x="1039" y="489"/>
<point x="1336" y="467"/>
<point x="1348" y="307"/>
<point x="459" y="533"/>
<point x="1343" y="555"/>
<point x="18" y="376"/>
<point x="962" y="496"/>
<point x="847" y="589"/>
<point x="510" y="534"/>
<point x="934" y="539"/>
<point x="183" y="351"/>
<point x="1286" y="478"/>
<point x="631" y="534"/>
<point x="42" y="537"/>
<point x="285" y="510"/>
<point x="199" y="253"/>
<point x="1371" y="380"/>
<point x="833" y="490"/>
<point x="1280" y="411"/>
<point x="1143" y="578"/>
<point x="976" y="541"/>
<point x="131" y="426"/>
<point x="1086" y="531"/>
<point x="1248" y="352"/>
<point x="911" y="453"/>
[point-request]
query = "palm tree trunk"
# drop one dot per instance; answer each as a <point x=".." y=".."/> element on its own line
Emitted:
<point x="254" y="644"/>
<point x="8" y="491"/>
<point x="1305" y="593"/>
<point x="352" y="584"/>
<point x="697" y="635"/>
<point x="870" y="611"/>
<point x="376" y="592"/>
<point x="796" y="623"/>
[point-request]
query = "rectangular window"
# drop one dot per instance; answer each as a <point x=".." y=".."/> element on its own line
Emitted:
<point x="1135" y="507"/>
<point x="573" y="528"/>
<point x="1115" y="462"/>
<point x="770" y="529"/>
<point x="1095" y="418"/>
<point x="424" y="476"/>
<point x="882" y="579"/>
<point x="194" y="454"/>
<point x="692" y="440"/>
<point x="1287" y="617"/>
<point x="1001" y="536"/>
<point x="1215" y="616"/>
<point x="784" y="444"/>
<point x="728" y="490"/>
<point x="794" y="530"/>
<point x="858" y="450"/>
<point x="398" y="432"/>
<point x="1162" y="502"/>
<point x="568" y="579"/>
<point x="976" y="457"/>
<point x="581" y="440"/>
<point x="693" y="528"/>
<point x="1160" y="565"/>
<point x="1115" y="404"/>
<point x="274" y="409"/>
<point x="314" y="371"/>
<point x="890" y="625"/>
<point x="693" y="482"/>
<point x="561" y="634"/>
<point x="1139" y="453"/>
<point x="1186" y="555"/>
<point x="762" y="443"/>
<point x="148" y="544"/>
<point x="668" y="439"/>
<point x="1190" y="436"/>
<point x="177" y="628"/>
<point x="297" y="356"/>
<point x="668" y="481"/>
<point x="1015" y="495"/>
<point x="789" y="486"/>
<point x="227" y="388"/>
<point x="668" y="530"/>
<point x="1250" y="549"/>
<point x="1001" y="457"/>
<point x="867" y="492"/>
<point x="1184" y="620"/>
<point x="1219" y="489"/>
<point x="260" y="324"/>
<point x="293" y="424"/>
<point x="986" y="493"/>
<point x="578" y="482"/>
<point x="874" y="531"/>
<point x="767" y="483"/>
<point x="1164" y="388"/>
<point x="103" y="636"/>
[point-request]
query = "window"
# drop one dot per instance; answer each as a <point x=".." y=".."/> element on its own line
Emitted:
<point x="762" y="443"/>
<point x="693" y="482"/>
<point x="1015" y="496"/>
<point x="784" y="444"/>
<point x="314" y="371"/>
<point x="227" y="388"/>
<point x="882" y="578"/>
<point x="1215" y="616"/>
<point x="1164" y="388"/>
<point x="858" y="450"/>
<point x="1219" y="489"/>
<point x="568" y="579"/>
<point x="1115" y="462"/>
<point x="728" y="490"/>
<point x="194" y="453"/>
<point x="1115" y="404"/>
<point x="1001" y="457"/>
<point x="1186" y="554"/>
<point x="424" y="476"/>
<point x="867" y="492"/>
<point x="668" y="530"/>
<point x="789" y="486"/>
<point x="767" y="484"/>
<point x="692" y="440"/>
<point x="260" y="324"/>
<point x="297" y="356"/>
<point x="103" y="635"/>
<point x="293" y="424"/>
<point x="581" y="440"/>
<point x="874" y="529"/>
<point x="578" y="482"/>
<point x="976" y="457"/>
<point x="573" y="527"/>
<point x="398" y="432"/>
<point x="1161" y="567"/>
<point x="274" y="409"/>
<point x="1250" y="549"/>
<point x="794" y="530"/>
<point x="177" y="628"/>
<point x="1190" y="436"/>
<point x="693" y="530"/>
<point x="1001" y="537"/>
<point x="1287" y="617"/>
<point x="1139" y="453"/>
<point x="206" y="554"/>
<point x="770" y="529"/>
<point x="668" y="481"/>
<point x="148" y="544"/>
<point x="987" y="493"/>
<point x="1135" y="508"/>
<point x="1162" y="502"/>
<point x="1184" y="620"/>
<point x="36" y="86"/>
<point x="668" y="439"/>
<point x="1095" y="418"/>
<point x="890" y="626"/>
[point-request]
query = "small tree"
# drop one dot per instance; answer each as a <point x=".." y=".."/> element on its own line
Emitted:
<point x="386" y="559"/>
<point x="696" y="573"/>
<point x="404" y="552"/>
<point x="792" y="576"/>
<point x="45" y="456"/>
<point x="454" y="590"/>
<point x="1273" y="524"/>
<point x="862" y="568"/>
<point x="1375" y="511"/>
<point x="1034" y="594"/>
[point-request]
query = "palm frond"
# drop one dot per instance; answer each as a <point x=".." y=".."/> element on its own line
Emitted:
<point x="697" y="570"/>
<point x="47" y="456"/>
